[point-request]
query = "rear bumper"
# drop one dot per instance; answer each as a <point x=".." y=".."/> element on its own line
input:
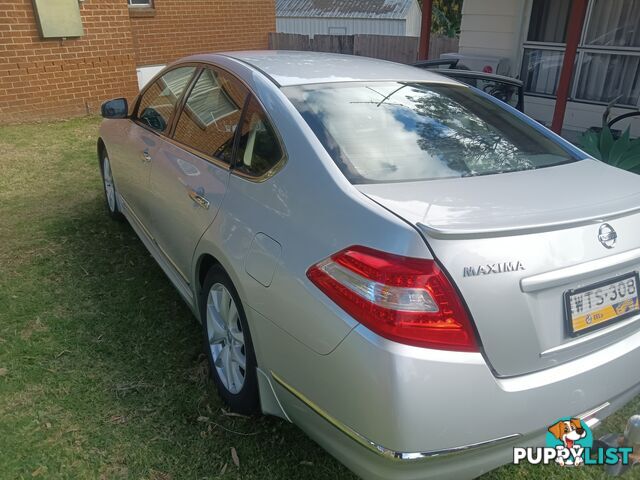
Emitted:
<point x="428" y="414"/>
<point x="467" y="464"/>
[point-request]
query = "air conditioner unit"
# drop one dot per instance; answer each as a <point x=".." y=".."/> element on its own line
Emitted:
<point x="482" y="63"/>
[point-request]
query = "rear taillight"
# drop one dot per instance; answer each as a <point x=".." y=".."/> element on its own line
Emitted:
<point x="408" y="300"/>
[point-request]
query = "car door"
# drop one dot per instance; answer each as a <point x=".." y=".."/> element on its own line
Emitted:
<point x="151" y="119"/>
<point x="191" y="170"/>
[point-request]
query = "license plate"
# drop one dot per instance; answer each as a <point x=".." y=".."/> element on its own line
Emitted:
<point x="601" y="304"/>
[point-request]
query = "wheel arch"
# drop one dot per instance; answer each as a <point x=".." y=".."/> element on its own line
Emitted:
<point x="205" y="258"/>
<point x="204" y="264"/>
<point x="101" y="148"/>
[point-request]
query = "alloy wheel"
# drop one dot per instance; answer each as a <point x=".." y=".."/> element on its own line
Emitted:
<point x="108" y="184"/>
<point x="226" y="339"/>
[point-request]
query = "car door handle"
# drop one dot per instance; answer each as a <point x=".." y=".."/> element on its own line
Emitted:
<point x="146" y="158"/>
<point x="199" y="199"/>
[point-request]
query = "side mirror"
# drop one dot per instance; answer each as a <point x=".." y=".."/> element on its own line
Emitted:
<point x="116" y="108"/>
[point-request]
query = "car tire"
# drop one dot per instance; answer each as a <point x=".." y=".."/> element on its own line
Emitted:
<point x="109" y="187"/>
<point x="227" y="342"/>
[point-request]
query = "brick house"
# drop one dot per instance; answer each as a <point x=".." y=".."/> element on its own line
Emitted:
<point x="44" y="78"/>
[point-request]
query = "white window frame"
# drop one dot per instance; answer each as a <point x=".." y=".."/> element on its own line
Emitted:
<point x="583" y="49"/>
<point x="333" y="30"/>
<point x="146" y="4"/>
<point x="232" y="107"/>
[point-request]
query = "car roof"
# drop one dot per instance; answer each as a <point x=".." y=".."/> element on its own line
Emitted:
<point x="288" y="67"/>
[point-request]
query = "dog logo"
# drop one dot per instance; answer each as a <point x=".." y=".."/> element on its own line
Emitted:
<point x="569" y="437"/>
<point x="570" y="444"/>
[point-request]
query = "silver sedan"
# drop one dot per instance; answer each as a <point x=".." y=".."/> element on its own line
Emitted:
<point x="413" y="272"/>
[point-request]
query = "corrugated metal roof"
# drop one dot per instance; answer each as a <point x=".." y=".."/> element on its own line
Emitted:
<point x="389" y="9"/>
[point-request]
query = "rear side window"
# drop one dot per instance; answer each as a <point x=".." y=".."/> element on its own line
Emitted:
<point x="382" y="132"/>
<point x="258" y="149"/>
<point x="159" y="101"/>
<point x="211" y="114"/>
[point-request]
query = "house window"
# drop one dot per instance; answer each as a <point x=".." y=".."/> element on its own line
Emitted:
<point x="208" y="101"/>
<point x="140" y="3"/>
<point x="337" y="30"/>
<point x="541" y="70"/>
<point x="211" y="114"/>
<point x="544" y="47"/>
<point x="608" y="59"/>
<point x="549" y="21"/>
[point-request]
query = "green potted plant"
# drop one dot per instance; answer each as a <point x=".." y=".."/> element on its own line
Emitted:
<point x="618" y="150"/>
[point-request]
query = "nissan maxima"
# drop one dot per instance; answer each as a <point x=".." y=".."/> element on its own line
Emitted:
<point x="413" y="272"/>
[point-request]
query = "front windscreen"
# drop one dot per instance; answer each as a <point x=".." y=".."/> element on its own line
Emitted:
<point x="392" y="132"/>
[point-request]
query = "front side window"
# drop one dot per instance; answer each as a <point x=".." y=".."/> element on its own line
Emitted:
<point x="258" y="149"/>
<point x="211" y="114"/>
<point x="159" y="101"/>
<point x="392" y="132"/>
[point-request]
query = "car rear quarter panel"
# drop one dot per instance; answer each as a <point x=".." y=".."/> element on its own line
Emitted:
<point x="310" y="209"/>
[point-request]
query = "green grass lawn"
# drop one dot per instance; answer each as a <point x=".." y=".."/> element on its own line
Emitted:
<point x="101" y="371"/>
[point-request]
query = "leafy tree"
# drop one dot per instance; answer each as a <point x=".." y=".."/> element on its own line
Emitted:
<point x="446" y="17"/>
<point x="462" y="139"/>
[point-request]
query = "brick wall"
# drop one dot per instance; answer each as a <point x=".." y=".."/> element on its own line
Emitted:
<point x="42" y="79"/>
<point x="45" y="79"/>
<point x="178" y="28"/>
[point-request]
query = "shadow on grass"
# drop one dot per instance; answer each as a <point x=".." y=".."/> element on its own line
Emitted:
<point x="136" y="351"/>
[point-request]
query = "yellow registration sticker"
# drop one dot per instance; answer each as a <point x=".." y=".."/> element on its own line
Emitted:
<point x="601" y="304"/>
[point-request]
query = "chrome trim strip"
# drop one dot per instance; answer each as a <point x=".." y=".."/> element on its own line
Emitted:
<point x="590" y="413"/>
<point x="577" y="272"/>
<point x="136" y="218"/>
<point x="589" y="417"/>
<point x="268" y="174"/>
<point x="173" y="264"/>
<point x="379" y="449"/>
<point x="154" y="242"/>
<point x="150" y="244"/>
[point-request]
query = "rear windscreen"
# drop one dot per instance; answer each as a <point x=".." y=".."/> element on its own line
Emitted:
<point x="391" y="132"/>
